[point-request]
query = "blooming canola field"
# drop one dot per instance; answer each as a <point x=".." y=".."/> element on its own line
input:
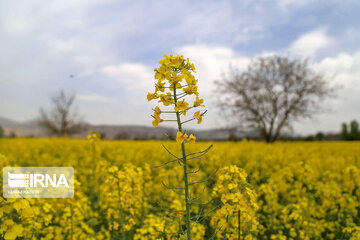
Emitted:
<point x="241" y="190"/>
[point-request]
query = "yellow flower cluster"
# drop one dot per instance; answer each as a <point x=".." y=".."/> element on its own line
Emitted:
<point x="303" y="190"/>
<point x="238" y="202"/>
<point x="197" y="232"/>
<point x="124" y="191"/>
<point x="175" y="73"/>
<point x="155" y="228"/>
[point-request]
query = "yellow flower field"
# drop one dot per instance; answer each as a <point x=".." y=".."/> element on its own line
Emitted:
<point x="278" y="191"/>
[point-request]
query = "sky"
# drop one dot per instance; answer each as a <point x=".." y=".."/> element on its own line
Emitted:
<point x="106" y="51"/>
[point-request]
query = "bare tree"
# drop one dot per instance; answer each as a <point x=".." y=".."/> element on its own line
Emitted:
<point x="272" y="93"/>
<point x="62" y="119"/>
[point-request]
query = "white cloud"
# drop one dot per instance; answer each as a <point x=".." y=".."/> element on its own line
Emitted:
<point x="310" y="43"/>
<point x="342" y="63"/>
<point x="64" y="45"/>
<point x="285" y="4"/>
<point x="344" y="71"/>
<point x="96" y="98"/>
<point x="133" y="75"/>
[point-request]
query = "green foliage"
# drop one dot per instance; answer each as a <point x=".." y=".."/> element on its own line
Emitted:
<point x="344" y="131"/>
<point x="319" y="136"/>
<point x="353" y="133"/>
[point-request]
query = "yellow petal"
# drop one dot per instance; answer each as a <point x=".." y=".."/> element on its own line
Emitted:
<point x="180" y="137"/>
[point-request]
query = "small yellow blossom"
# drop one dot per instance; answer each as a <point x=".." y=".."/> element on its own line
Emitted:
<point x="157" y="118"/>
<point x="192" y="67"/>
<point x="175" y="78"/>
<point x="182" y="106"/>
<point x="160" y="86"/>
<point x="160" y="76"/>
<point x="157" y="121"/>
<point x="166" y="99"/>
<point x="191" y="89"/>
<point x="157" y="111"/>
<point x="189" y="78"/>
<point x="152" y="96"/>
<point x="198" y="116"/>
<point x="191" y="138"/>
<point x="180" y="138"/>
<point x="199" y="102"/>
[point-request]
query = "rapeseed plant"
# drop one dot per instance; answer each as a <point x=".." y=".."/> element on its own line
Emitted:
<point x="175" y="82"/>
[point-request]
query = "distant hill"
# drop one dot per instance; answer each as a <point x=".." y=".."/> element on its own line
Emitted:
<point x="5" y="122"/>
<point x="22" y="129"/>
<point x="133" y="132"/>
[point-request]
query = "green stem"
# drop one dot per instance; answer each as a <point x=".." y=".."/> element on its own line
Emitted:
<point x="239" y="234"/>
<point x="121" y="215"/>
<point x="142" y="204"/>
<point x="72" y="229"/>
<point x="186" y="180"/>
<point x="94" y="184"/>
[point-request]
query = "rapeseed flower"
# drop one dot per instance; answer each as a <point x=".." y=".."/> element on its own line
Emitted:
<point x="180" y="138"/>
<point x="198" y="116"/>
<point x="182" y="106"/>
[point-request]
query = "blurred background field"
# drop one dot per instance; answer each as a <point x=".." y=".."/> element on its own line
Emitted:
<point x="304" y="190"/>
